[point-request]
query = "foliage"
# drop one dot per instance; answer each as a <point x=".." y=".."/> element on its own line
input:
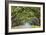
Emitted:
<point x="21" y="14"/>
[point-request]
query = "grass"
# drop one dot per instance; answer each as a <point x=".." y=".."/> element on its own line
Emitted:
<point x="35" y="26"/>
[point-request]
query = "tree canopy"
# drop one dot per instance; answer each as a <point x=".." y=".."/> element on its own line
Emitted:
<point x="22" y="14"/>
